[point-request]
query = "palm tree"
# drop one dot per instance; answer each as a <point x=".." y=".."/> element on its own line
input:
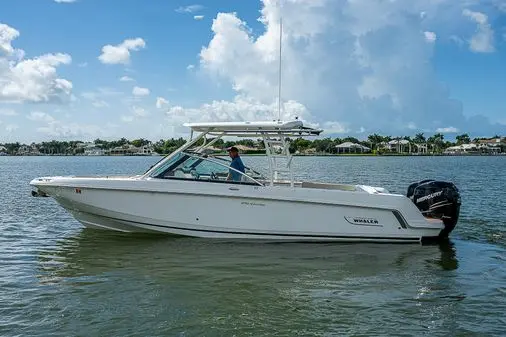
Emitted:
<point x="436" y="141"/>
<point x="375" y="140"/>
<point x="419" y="138"/>
<point x="463" y="139"/>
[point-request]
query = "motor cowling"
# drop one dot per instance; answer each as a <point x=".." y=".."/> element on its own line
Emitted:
<point x="439" y="200"/>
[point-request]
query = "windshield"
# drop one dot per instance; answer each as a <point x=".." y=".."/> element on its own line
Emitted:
<point x="195" y="166"/>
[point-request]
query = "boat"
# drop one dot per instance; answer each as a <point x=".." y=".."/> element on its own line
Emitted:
<point x="187" y="193"/>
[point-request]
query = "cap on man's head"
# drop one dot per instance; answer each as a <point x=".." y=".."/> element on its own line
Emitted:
<point x="232" y="149"/>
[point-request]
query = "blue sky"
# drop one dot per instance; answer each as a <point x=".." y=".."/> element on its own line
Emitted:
<point x="91" y="68"/>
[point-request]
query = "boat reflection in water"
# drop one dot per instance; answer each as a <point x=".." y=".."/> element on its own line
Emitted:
<point x="92" y="253"/>
<point x="168" y="285"/>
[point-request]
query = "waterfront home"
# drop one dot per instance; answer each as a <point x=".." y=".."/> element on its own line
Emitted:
<point x="462" y="149"/>
<point x="94" y="151"/>
<point x="398" y="145"/>
<point x="3" y="151"/>
<point x="493" y="145"/>
<point x="145" y="150"/>
<point x="351" y="147"/>
<point x="421" y="147"/>
<point x="131" y="150"/>
<point x="124" y="150"/>
<point x="28" y="150"/>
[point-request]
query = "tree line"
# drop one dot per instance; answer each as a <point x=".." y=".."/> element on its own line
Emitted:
<point x="436" y="143"/>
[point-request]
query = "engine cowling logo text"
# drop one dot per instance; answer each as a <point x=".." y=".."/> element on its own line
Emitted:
<point x="429" y="196"/>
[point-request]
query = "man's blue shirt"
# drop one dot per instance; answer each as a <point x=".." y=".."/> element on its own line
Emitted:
<point x="239" y="166"/>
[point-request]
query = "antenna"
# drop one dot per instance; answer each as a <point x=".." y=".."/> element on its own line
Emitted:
<point x="279" y="70"/>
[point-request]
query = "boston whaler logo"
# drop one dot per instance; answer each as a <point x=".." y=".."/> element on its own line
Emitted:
<point x="429" y="196"/>
<point x="358" y="220"/>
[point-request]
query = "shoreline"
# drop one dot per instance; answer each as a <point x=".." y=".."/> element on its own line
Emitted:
<point x="294" y="155"/>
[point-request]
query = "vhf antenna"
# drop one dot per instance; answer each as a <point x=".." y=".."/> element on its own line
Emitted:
<point x="279" y="70"/>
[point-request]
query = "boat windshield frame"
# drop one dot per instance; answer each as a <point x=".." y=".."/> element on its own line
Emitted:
<point x="185" y="156"/>
<point x="272" y="133"/>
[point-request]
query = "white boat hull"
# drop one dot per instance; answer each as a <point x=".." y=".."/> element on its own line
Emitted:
<point x="229" y="211"/>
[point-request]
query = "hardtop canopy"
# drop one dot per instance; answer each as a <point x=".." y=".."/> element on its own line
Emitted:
<point x="247" y="129"/>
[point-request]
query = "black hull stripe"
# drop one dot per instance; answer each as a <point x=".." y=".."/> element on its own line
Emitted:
<point x="266" y="234"/>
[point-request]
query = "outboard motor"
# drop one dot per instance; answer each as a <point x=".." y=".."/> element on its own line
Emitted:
<point x="437" y="199"/>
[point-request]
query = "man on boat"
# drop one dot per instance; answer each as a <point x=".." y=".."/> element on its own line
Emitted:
<point x="236" y="163"/>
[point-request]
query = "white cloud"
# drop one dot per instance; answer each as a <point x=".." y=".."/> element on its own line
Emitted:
<point x="483" y="40"/>
<point x="100" y="104"/>
<point x="120" y="54"/>
<point x="138" y="91"/>
<point x="449" y="129"/>
<point x="63" y="130"/>
<point x="38" y="116"/>
<point x="430" y="36"/>
<point x="126" y="79"/>
<point x="336" y="127"/>
<point x="98" y="98"/>
<point x="8" y="112"/>
<point x="457" y="39"/>
<point x="65" y="1"/>
<point x="363" y="63"/>
<point x="11" y="127"/>
<point x="7" y="35"/>
<point x="242" y="108"/>
<point x="30" y="80"/>
<point x="161" y="102"/>
<point x="190" y="67"/>
<point x="139" y="112"/>
<point x="198" y="17"/>
<point x="83" y="65"/>
<point x="190" y="9"/>
<point x="127" y="119"/>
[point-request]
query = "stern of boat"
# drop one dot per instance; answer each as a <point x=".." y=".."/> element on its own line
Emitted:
<point x="437" y="200"/>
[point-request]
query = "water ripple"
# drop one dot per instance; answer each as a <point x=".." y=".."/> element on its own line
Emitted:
<point x="58" y="278"/>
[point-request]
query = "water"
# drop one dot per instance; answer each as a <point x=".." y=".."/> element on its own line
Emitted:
<point x="58" y="279"/>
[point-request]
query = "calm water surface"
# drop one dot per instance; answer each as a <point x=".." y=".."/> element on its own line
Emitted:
<point x="59" y="279"/>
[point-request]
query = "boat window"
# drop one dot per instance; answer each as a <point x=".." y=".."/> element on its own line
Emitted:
<point x="248" y="170"/>
<point x="199" y="167"/>
<point x="161" y="171"/>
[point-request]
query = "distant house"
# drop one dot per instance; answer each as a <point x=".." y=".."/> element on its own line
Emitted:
<point x="3" y="151"/>
<point x="492" y="141"/>
<point x="210" y="149"/>
<point x="351" y="147"/>
<point x="94" y="151"/>
<point x="124" y="150"/>
<point x="86" y="145"/>
<point x="421" y="147"/>
<point x="244" y="148"/>
<point x="462" y="149"/>
<point x="28" y="150"/>
<point x="493" y="145"/>
<point x="146" y="150"/>
<point x="398" y="145"/>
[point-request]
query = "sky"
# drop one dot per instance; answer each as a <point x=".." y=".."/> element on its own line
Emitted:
<point x="87" y="69"/>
